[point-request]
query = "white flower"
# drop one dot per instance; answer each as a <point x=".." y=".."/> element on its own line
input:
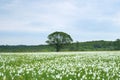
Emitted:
<point x="58" y="76"/>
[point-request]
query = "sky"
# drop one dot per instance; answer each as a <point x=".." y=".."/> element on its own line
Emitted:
<point x="29" y="22"/>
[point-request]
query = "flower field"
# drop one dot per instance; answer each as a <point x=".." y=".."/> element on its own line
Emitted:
<point x="60" y="66"/>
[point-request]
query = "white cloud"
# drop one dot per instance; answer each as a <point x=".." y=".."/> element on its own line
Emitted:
<point x="116" y="19"/>
<point x="40" y="16"/>
<point x="60" y="14"/>
<point x="56" y="16"/>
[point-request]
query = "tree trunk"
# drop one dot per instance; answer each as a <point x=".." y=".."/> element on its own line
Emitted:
<point x="57" y="48"/>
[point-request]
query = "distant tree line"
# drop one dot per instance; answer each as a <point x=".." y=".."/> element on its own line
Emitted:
<point x="100" y="45"/>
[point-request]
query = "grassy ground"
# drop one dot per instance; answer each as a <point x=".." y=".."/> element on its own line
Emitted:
<point x="60" y="66"/>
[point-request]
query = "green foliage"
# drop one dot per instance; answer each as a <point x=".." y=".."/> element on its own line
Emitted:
<point x="23" y="48"/>
<point x="117" y="44"/>
<point x="77" y="46"/>
<point x="92" y="46"/>
<point x="58" y="39"/>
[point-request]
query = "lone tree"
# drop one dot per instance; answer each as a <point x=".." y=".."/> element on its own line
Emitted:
<point x="58" y="39"/>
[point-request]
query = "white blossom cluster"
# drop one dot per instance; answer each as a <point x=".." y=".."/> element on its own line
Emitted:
<point x="60" y="66"/>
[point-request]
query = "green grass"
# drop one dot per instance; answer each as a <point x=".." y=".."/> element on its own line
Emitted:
<point x="60" y="66"/>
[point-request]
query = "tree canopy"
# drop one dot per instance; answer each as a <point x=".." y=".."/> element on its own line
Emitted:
<point x="58" y="39"/>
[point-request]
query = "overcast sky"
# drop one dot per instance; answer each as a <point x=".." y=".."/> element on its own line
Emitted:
<point x="29" y="22"/>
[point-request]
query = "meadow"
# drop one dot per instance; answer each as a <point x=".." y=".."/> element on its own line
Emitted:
<point x="104" y="65"/>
